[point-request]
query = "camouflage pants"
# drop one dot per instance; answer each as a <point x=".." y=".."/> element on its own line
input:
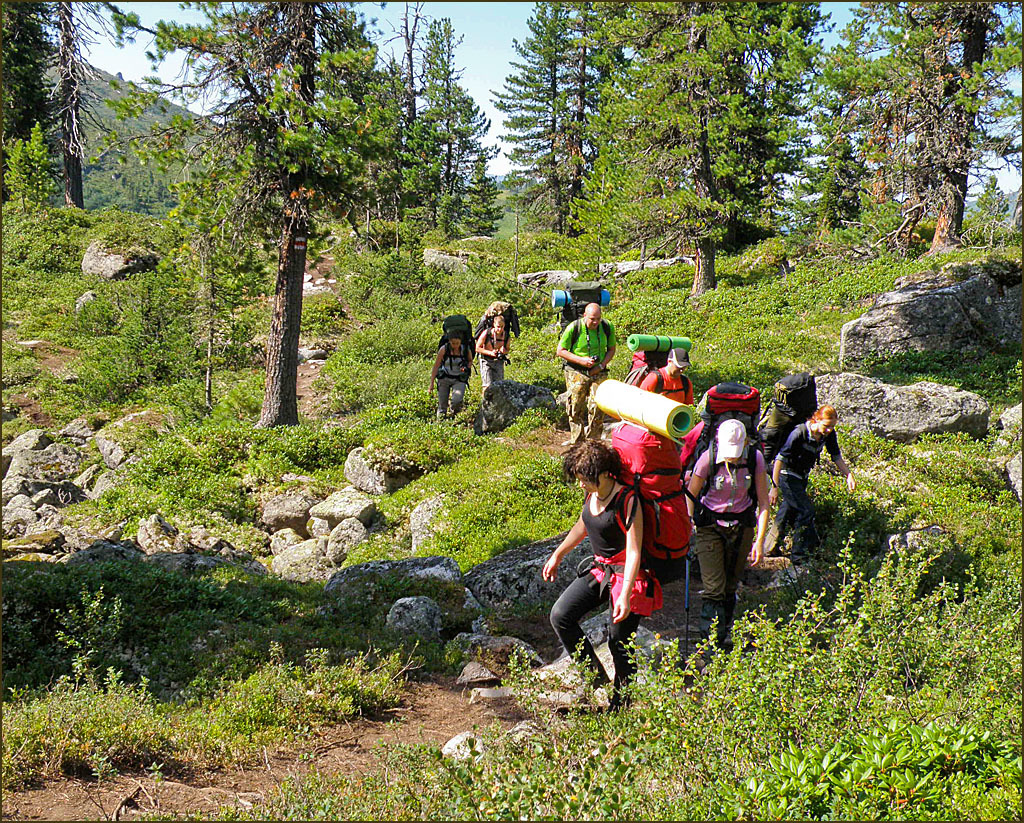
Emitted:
<point x="585" y="418"/>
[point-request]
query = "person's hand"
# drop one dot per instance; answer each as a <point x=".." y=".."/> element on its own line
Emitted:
<point x="431" y="388"/>
<point x="622" y="608"/>
<point x="850" y="484"/>
<point x="551" y="568"/>
<point x="756" y="552"/>
<point x="773" y="496"/>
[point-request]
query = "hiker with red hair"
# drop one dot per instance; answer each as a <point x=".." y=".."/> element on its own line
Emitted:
<point x="790" y="471"/>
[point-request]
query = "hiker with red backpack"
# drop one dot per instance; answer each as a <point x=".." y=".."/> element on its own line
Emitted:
<point x="587" y="346"/>
<point x="670" y="380"/>
<point x="728" y="502"/>
<point x="790" y="474"/>
<point x="611" y="519"/>
<point x="453" y="366"/>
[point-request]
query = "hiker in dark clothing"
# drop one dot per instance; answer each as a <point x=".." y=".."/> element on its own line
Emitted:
<point x="612" y="520"/>
<point x="451" y="372"/>
<point x="790" y="471"/>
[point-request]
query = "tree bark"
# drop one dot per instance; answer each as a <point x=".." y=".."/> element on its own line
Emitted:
<point x="280" y="407"/>
<point x="950" y="218"/>
<point x="70" y="92"/>
<point x="409" y="36"/>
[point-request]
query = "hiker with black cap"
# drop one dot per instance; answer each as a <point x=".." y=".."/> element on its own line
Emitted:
<point x="451" y="372"/>
<point x="587" y="346"/>
<point x="670" y="379"/>
<point x="728" y="502"/>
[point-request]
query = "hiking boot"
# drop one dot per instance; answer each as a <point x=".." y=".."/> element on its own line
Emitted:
<point x="725" y="612"/>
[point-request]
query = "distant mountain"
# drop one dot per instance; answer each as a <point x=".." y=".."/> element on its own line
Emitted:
<point x="118" y="178"/>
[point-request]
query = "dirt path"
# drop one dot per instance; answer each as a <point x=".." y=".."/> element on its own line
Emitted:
<point x="431" y="712"/>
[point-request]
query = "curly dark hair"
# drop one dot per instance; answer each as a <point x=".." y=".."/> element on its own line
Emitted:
<point x="589" y="460"/>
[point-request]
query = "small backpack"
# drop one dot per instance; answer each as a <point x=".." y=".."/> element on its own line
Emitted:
<point x="507" y="310"/>
<point x="644" y="362"/>
<point x="794" y="399"/>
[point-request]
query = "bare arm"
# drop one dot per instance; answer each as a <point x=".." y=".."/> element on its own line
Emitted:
<point x="569" y="542"/>
<point x="844" y="467"/>
<point x="437" y="365"/>
<point x="569" y="357"/>
<point x="482" y="347"/>
<point x="773" y="495"/>
<point x="763" y="508"/>
<point x="608" y="357"/>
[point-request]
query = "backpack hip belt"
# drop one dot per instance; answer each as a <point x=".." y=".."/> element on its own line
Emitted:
<point x="646" y="596"/>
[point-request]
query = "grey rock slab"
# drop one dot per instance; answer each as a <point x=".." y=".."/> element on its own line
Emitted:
<point x="345" y="503"/>
<point x="475" y="673"/>
<point x="496" y="650"/>
<point x="303" y="562"/>
<point x="289" y="510"/>
<point x="480" y="695"/>
<point x="350" y="579"/>
<point x="372" y="479"/>
<point x="1013" y="475"/>
<point x="343" y="537"/>
<point x="88" y="477"/>
<point x="425" y="518"/>
<point x="1009" y="426"/>
<point x="555" y="278"/>
<point x="191" y="563"/>
<point x="318" y="527"/>
<point x="505" y="400"/>
<point x="84" y="300"/>
<point x="116" y="265"/>
<point x="32" y="440"/>
<point x="513" y="578"/>
<point x="78" y="431"/>
<point x="103" y="551"/>
<point x="902" y="413"/>
<point x="50" y="541"/>
<point x="437" y="259"/>
<point x="113" y="453"/>
<point x="417" y="615"/>
<point x="156" y="535"/>
<point x="306" y="355"/>
<point x="964" y="306"/>
<point x="281" y="540"/>
<point x="52" y="464"/>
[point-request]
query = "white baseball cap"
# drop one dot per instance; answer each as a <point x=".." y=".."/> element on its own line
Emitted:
<point x="732" y="439"/>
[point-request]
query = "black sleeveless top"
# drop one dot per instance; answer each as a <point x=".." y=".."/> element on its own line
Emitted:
<point x="607" y="537"/>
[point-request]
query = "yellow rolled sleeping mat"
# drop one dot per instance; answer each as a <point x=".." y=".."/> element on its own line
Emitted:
<point x="654" y="412"/>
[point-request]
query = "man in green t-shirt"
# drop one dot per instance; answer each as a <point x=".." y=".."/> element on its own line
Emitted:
<point x="587" y="346"/>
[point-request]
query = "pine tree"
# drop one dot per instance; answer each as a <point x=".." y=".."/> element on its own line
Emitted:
<point x="483" y="211"/>
<point x="459" y="124"/>
<point x="548" y="101"/>
<point x="687" y="146"/>
<point x="287" y="130"/>
<point x="926" y="101"/>
<point x="27" y="49"/>
<point x="30" y="178"/>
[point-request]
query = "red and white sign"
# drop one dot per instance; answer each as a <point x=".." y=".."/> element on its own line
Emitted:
<point x="300" y="244"/>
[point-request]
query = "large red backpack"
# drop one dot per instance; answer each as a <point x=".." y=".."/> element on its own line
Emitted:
<point x="725" y="401"/>
<point x="650" y="467"/>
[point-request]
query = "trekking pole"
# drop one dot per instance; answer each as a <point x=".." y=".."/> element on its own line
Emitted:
<point x="686" y="606"/>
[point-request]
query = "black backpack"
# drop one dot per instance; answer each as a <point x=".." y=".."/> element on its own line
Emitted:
<point x="458" y="325"/>
<point x="581" y="293"/>
<point x="794" y="399"/>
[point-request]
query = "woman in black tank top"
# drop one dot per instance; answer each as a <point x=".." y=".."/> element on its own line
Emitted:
<point x="607" y="509"/>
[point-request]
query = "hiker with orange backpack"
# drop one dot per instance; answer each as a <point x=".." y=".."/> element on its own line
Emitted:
<point x="611" y="518"/>
<point x="728" y="502"/>
<point x="670" y="380"/>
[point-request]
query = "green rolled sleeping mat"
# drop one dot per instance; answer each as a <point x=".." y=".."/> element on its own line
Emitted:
<point x="656" y="342"/>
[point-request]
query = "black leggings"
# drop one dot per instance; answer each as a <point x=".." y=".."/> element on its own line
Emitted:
<point x="797" y="509"/>
<point x="580" y="597"/>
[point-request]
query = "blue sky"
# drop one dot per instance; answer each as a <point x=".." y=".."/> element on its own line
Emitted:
<point x="486" y="52"/>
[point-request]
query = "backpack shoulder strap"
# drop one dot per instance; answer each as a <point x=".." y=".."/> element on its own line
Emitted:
<point x="659" y="381"/>
<point x="574" y="335"/>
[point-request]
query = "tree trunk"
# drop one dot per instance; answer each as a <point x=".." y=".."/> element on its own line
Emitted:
<point x="950" y="219"/>
<point x="70" y="91"/>
<point x="409" y="36"/>
<point x="556" y="183"/>
<point x="704" y="274"/>
<point x="280" y="407"/>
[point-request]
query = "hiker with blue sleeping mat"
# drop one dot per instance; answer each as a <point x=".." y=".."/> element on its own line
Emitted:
<point x="587" y="346"/>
